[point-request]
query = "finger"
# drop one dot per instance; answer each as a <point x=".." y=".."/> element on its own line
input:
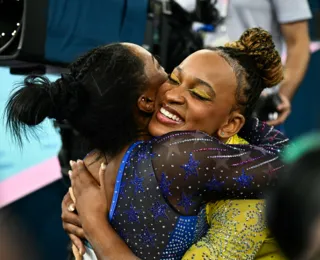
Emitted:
<point x="83" y="173"/>
<point x="76" y="253"/>
<point x="102" y="172"/>
<point x="283" y="116"/>
<point x="72" y="195"/>
<point x="70" y="218"/>
<point x="71" y="207"/>
<point x="78" y="243"/>
<point x="283" y="106"/>
<point x="73" y="229"/>
<point x="72" y="164"/>
<point x="67" y="200"/>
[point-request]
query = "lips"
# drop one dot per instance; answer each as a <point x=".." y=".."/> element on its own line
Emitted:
<point x="168" y="115"/>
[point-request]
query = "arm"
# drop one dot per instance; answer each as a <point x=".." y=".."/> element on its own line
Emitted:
<point x="296" y="36"/>
<point x="192" y="168"/>
<point x="292" y="17"/>
<point x="106" y="242"/>
<point x="297" y="40"/>
<point x="91" y="197"/>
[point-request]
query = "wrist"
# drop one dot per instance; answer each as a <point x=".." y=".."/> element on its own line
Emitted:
<point x="93" y="224"/>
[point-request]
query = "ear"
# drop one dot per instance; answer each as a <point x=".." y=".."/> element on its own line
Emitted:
<point x="146" y="104"/>
<point x="232" y="126"/>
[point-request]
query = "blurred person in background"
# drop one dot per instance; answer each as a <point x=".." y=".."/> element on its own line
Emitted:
<point x="293" y="209"/>
<point x="286" y="20"/>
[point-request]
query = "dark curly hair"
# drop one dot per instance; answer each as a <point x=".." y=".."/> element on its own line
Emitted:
<point x="256" y="63"/>
<point x="97" y="98"/>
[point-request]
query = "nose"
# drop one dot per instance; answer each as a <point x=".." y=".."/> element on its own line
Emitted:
<point x="175" y="95"/>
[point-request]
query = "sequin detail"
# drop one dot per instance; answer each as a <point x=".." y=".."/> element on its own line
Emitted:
<point x="137" y="182"/>
<point x="133" y="214"/>
<point x="180" y="238"/>
<point x="237" y="231"/>
<point x="185" y="202"/>
<point x="244" y="181"/>
<point x="214" y="184"/>
<point x="164" y="185"/>
<point x="191" y="168"/>
<point x="159" y="210"/>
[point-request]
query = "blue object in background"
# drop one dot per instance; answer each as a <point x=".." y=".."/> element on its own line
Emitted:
<point x="134" y="23"/>
<point x="74" y="28"/>
<point x="305" y="115"/>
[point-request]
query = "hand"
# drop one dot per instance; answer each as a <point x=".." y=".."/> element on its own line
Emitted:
<point x="284" y="111"/>
<point x="71" y="223"/>
<point x="91" y="202"/>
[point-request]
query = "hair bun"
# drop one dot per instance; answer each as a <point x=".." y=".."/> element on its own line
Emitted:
<point x="258" y="44"/>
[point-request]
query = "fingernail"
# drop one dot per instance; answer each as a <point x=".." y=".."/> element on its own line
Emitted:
<point x="71" y="207"/>
<point x="80" y="252"/>
<point x="79" y="161"/>
<point x="70" y="173"/>
<point x="103" y="166"/>
<point x="71" y="163"/>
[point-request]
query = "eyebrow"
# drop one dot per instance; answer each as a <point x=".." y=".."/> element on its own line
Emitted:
<point x="200" y="82"/>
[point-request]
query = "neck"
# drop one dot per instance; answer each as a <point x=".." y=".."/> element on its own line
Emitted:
<point x="143" y="135"/>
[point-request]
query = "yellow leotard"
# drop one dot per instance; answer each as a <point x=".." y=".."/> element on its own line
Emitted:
<point x="237" y="230"/>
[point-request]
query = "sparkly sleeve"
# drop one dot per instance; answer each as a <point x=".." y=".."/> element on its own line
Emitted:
<point x="193" y="168"/>
<point x="260" y="134"/>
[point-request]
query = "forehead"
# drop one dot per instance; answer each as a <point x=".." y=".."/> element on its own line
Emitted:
<point x="209" y="66"/>
<point x="139" y="51"/>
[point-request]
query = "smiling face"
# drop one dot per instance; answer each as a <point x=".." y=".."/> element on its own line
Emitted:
<point x="199" y="95"/>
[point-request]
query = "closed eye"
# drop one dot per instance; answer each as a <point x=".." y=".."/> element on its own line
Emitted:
<point x="200" y="95"/>
<point x="173" y="79"/>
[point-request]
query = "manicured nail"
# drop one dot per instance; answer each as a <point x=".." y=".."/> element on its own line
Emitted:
<point x="79" y="161"/>
<point x="71" y="163"/>
<point x="70" y="173"/>
<point x="103" y="166"/>
<point x="71" y="207"/>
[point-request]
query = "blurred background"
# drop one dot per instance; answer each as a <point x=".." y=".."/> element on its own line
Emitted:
<point x="43" y="36"/>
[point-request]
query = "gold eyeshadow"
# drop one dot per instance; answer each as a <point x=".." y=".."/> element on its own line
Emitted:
<point x="175" y="78"/>
<point x="201" y="93"/>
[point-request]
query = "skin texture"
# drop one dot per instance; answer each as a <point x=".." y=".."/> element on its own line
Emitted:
<point x="195" y="95"/>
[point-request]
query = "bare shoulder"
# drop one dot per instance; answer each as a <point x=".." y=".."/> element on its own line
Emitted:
<point x="93" y="162"/>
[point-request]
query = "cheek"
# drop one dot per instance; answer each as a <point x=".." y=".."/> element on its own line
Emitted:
<point x="207" y="117"/>
<point x="162" y="90"/>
